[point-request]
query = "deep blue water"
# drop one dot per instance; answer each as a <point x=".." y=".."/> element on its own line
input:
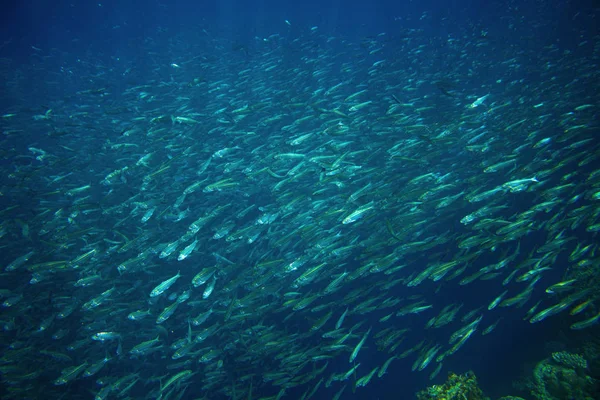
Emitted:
<point x="117" y="34"/>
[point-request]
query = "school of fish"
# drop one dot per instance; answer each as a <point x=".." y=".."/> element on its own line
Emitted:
<point x="244" y="222"/>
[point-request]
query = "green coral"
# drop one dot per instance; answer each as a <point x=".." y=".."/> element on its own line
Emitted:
<point x="457" y="387"/>
<point x="561" y="377"/>
<point x="573" y="361"/>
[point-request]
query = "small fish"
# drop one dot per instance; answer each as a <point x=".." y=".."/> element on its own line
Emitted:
<point x="497" y="300"/>
<point x="581" y="307"/>
<point x="164" y="286"/>
<point x="144" y="347"/>
<point x="586" y="323"/>
<point x="148" y="214"/>
<point x="357" y="214"/>
<point x="202" y="277"/>
<point x="187" y="250"/>
<point x="479" y="101"/>
<point x="340" y="321"/>
<point x="561" y="286"/>
<point x="209" y="288"/>
<point x="167" y="313"/>
<point x="19" y="262"/>
<point x="359" y="345"/>
<point x="357" y="107"/>
<point x="138" y="315"/>
<point x="519" y="184"/>
<point x="176" y="378"/>
<point x="169" y="249"/>
<point x="105" y="336"/>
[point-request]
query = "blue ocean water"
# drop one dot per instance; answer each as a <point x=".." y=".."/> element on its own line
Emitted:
<point x="60" y="51"/>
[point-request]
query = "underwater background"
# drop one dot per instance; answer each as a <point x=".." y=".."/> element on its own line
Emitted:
<point x="317" y="199"/>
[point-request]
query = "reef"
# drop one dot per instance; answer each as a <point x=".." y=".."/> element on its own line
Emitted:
<point x="457" y="387"/>
<point x="562" y="376"/>
<point x="573" y="361"/>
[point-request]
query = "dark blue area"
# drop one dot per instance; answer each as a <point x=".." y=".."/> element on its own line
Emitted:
<point x="112" y="25"/>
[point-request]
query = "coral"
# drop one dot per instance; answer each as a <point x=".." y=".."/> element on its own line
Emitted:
<point x="457" y="387"/>
<point x="573" y="361"/>
<point x="563" y="376"/>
